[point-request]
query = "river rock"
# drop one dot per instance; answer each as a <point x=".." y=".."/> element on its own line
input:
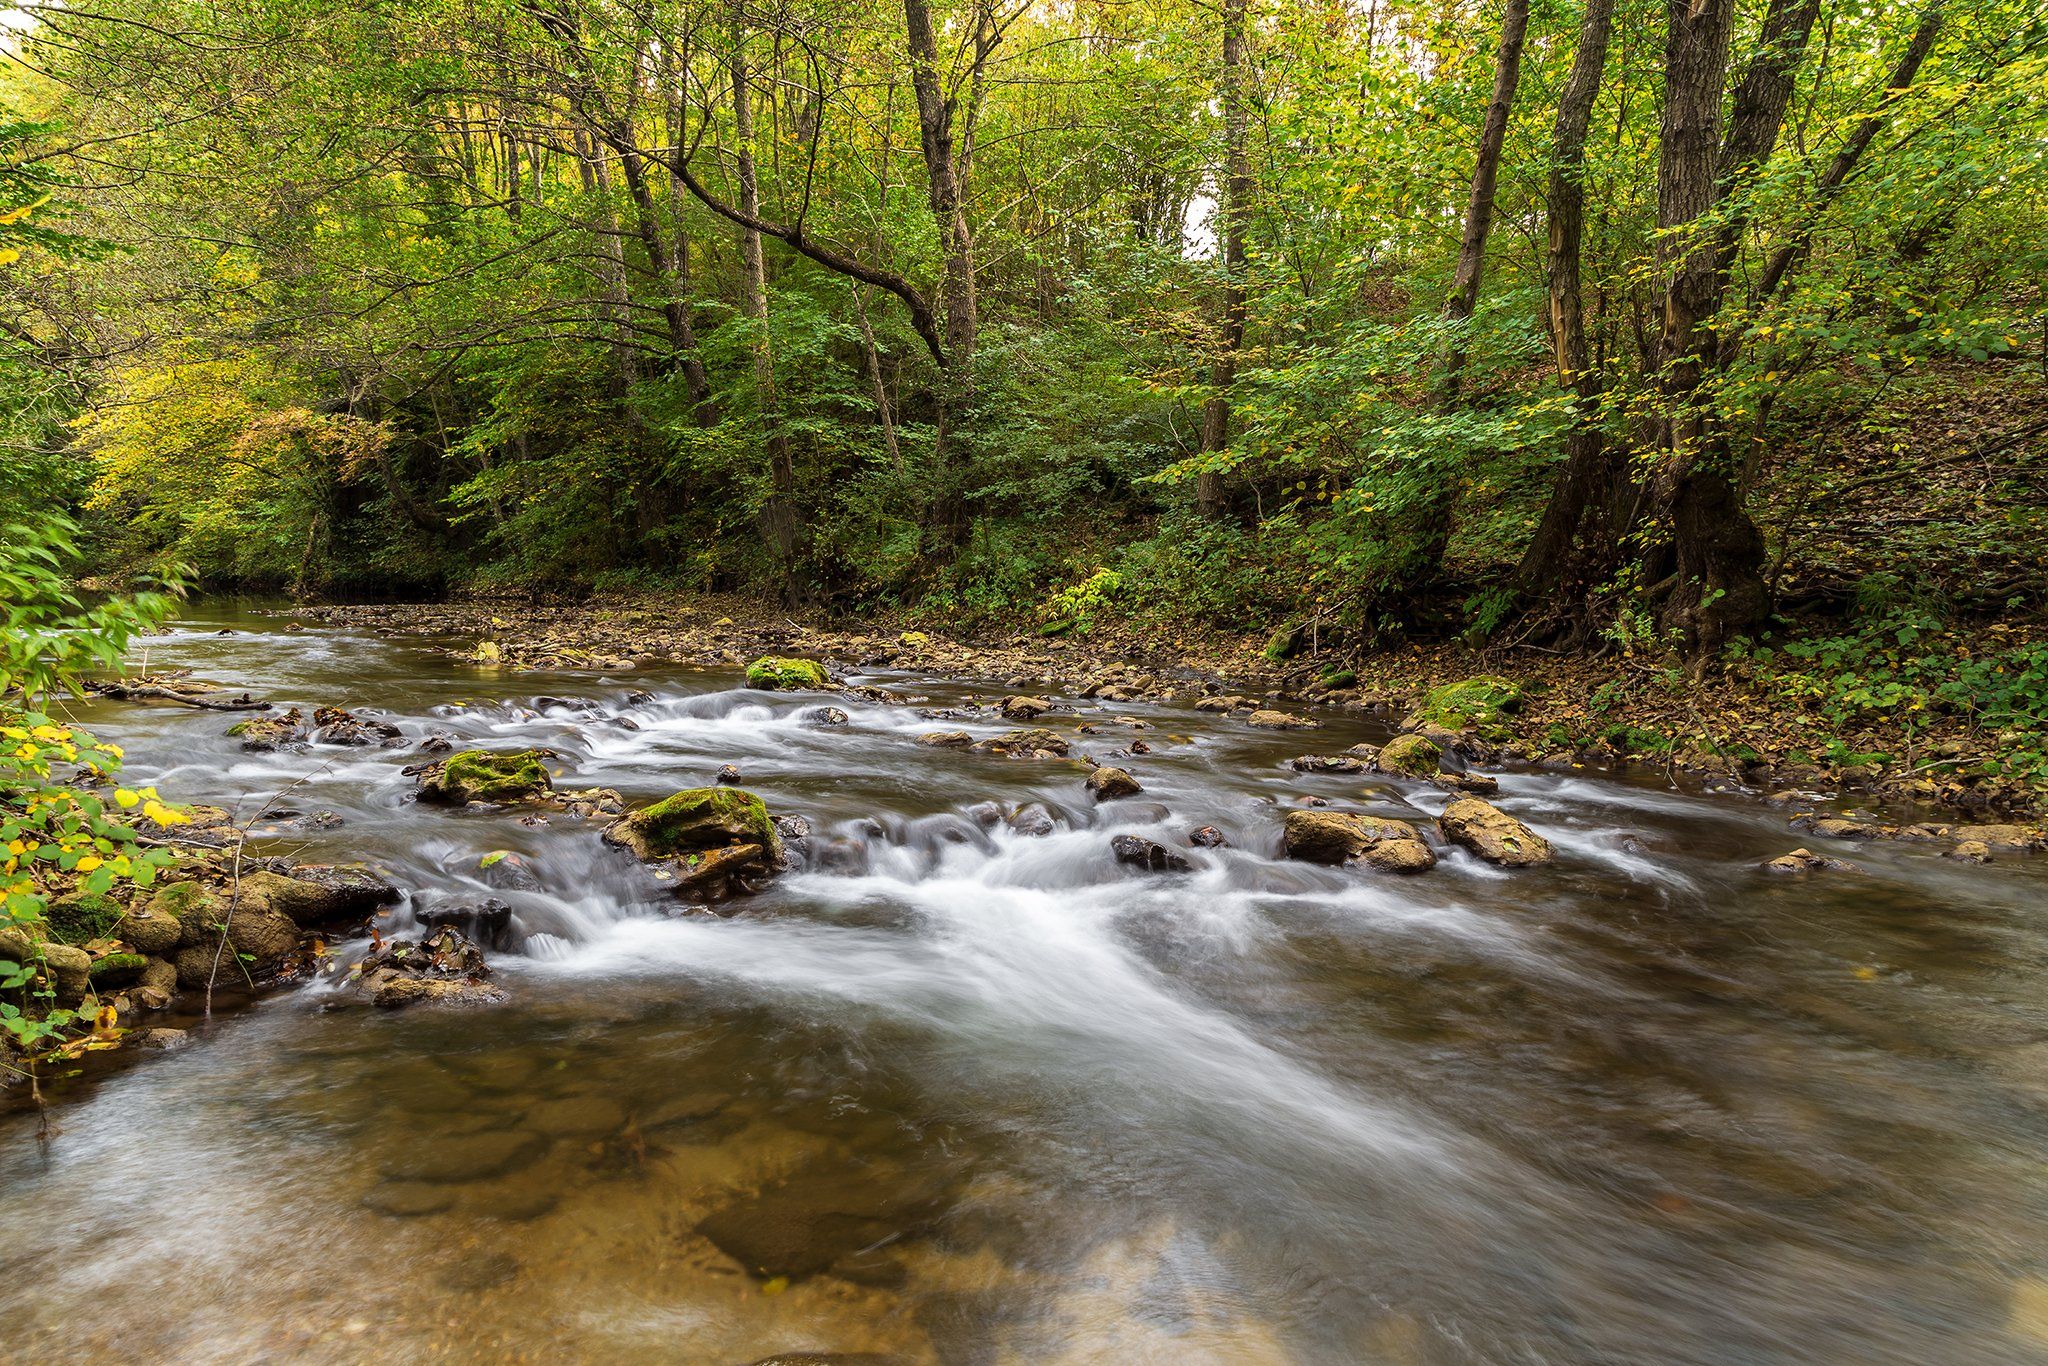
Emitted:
<point x="1493" y="834"/>
<point x="476" y="775"/>
<point x="408" y="1199"/>
<point x="2000" y="836"/>
<point x="69" y="969"/>
<point x="486" y="920"/>
<point x="1032" y="821"/>
<point x="441" y="968"/>
<point x="469" y="1157"/>
<point x="1806" y="861"/>
<point x="728" y="775"/>
<point x="1970" y="851"/>
<point x="1327" y="763"/>
<point x="1413" y="756"/>
<point x="777" y="674"/>
<point x="1280" y="720"/>
<point x="1837" y="827"/>
<point x="1109" y="784"/>
<point x="335" y="726"/>
<point x="576" y="1117"/>
<point x="1339" y="837"/>
<point x="946" y="739"/>
<point x="1024" y="744"/>
<point x="262" y="734"/>
<point x="1144" y="853"/>
<point x="826" y="716"/>
<point x="716" y="841"/>
<point x="1024" y="708"/>
<point x="1478" y="784"/>
<point x="1207" y="837"/>
<point x="326" y="894"/>
<point x="148" y="931"/>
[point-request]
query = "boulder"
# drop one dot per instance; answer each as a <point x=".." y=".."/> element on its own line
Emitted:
<point x="1207" y="837"/>
<point x="946" y="739"/>
<point x="117" y="969"/>
<point x="1024" y="744"/>
<point x="323" y="894"/>
<point x="1025" y="708"/>
<point x="486" y="920"/>
<point x="1108" y="784"/>
<point x="1493" y="834"/>
<point x="1970" y="851"/>
<point x="261" y="938"/>
<point x="441" y="968"/>
<point x="777" y="674"/>
<point x="69" y="969"/>
<point x="1144" y="853"/>
<point x="715" y="841"/>
<point x="150" y="932"/>
<point x="1413" y="756"/>
<point x="476" y="775"/>
<point x="1339" y="837"/>
<point x="1806" y="861"/>
<point x="262" y="734"/>
<point x="334" y="726"/>
<point x="1327" y="763"/>
<point x="1280" y="720"/>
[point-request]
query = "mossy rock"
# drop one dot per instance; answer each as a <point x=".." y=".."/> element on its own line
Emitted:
<point x="1466" y="703"/>
<point x="1285" y="643"/>
<point x="696" y="820"/>
<point x="477" y="775"/>
<point x="82" y="917"/>
<point x="1416" y="756"/>
<point x="118" y="969"/>
<point x="780" y="675"/>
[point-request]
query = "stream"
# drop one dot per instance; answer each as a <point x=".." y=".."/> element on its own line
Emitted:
<point x="981" y="1096"/>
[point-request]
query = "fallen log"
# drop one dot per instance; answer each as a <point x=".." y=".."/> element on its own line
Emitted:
<point x="146" y="690"/>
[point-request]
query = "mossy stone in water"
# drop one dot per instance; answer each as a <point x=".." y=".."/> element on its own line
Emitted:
<point x="1466" y="703"/>
<point x="477" y="775"/>
<point x="778" y="674"/>
<point x="695" y="820"/>
<point x="1414" y="755"/>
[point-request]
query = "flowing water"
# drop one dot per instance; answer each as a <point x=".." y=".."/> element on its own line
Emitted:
<point x="974" y="1096"/>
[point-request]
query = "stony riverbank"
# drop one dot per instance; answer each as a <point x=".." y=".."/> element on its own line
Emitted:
<point x="1722" y="731"/>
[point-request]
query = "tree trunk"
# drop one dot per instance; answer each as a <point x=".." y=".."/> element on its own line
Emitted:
<point x="778" y="514"/>
<point x="675" y="307"/>
<point x="1464" y="298"/>
<point x="1237" y="184"/>
<point x="874" y="360"/>
<point x="1571" y="550"/>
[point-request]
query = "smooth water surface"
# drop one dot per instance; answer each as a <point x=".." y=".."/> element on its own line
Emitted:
<point x="982" y="1097"/>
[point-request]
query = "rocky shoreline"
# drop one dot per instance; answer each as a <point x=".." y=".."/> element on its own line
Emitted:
<point x="230" y="921"/>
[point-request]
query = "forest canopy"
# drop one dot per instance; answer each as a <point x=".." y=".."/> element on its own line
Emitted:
<point x="1599" y="321"/>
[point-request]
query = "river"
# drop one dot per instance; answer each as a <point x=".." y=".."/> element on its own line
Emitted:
<point x="984" y="1097"/>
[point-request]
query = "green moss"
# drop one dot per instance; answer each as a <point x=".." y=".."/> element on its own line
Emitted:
<point x="1468" y="702"/>
<point x="776" y="674"/>
<point x="239" y="728"/>
<point x="1414" y="755"/>
<point x="118" y="967"/>
<point x="703" y="818"/>
<point x="1284" y="643"/>
<point x="477" y="775"/>
<point x="83" y="917"/>
<point x="1343" y="678"/>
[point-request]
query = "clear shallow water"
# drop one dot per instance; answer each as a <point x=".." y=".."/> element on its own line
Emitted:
<point x="983" y="1097"/>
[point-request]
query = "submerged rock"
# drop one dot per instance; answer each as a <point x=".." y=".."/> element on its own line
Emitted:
<point x="1032" y="820"/>
<point x="1414" y="756"/>
<point x="1024" y="744"/>
<point x="1340" y="837"/>
<point x="777" y="674"/>
<point x="1144" y="853"/>
<point x="826" y="716"/>
<point x="1493" y="834"/>
<point x="1109" y="784"/>
<point x="477" y="775"/>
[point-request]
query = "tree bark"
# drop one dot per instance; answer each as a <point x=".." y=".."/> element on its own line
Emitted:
<point x="1237" y="188"/>
<point x="942" y="174"/>
<point x="778" y="513"/>
<point x="1565" y="558"/>
<point x="1493" y="132"/>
